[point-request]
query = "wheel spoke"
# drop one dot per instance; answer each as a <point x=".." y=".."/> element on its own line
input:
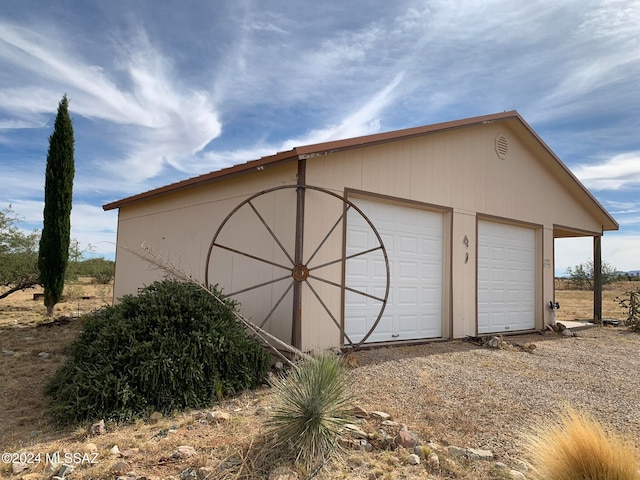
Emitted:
<point x="277" y="304"/>
<point x="328" y="235"/>
<point x="272" y="233"/>
<point x="328" y="311"/>
<point x="333" y="262"/>
<point x="359" y="292"/>
<point x="275" y="280"/>
<point x="251" y="256"/>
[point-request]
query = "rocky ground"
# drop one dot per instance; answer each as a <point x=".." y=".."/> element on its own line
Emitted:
<point x="441" y="410"/>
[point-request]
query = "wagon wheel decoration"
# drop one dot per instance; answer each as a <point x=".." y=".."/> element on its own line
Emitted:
<point x="295" y="269"/>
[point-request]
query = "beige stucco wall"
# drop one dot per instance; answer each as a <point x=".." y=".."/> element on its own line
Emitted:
<point x="457" y="172"/>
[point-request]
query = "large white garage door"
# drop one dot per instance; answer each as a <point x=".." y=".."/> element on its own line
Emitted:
<point x="413" y="239"/>
<point x="506" y="277"/>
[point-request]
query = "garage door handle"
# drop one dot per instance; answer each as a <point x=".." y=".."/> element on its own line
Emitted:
<point x="395" y="335"/>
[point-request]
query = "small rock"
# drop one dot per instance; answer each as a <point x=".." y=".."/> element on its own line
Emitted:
<point x="381" y="415"/>
<point x="98" y="428"/>
<point x="433" y="461"/>
<point x="218" y="416"/>
<point x="64" y="470"/>
<point x="90" y="447"/>
<point x="189" y="474"/>
<point x="567" y="333"/>
<point x="360" y="412"/>
<point x="279" y="365"/>
<point x="477" y="454"/>
<point x="115" y="450"/>
<point x="44" y="355"/>
<point x="413" y="459"/>
<point x="421" y="452"/>
<point x="121" y="468"/>
<point x="8" y="353"/>
<point x="282" y="473"/>
<point x="457" y="452"/>
<point x="406" y="439"/>
<point x="501" y="466"/>
<point x="355" y="431"/>
<point x="365" y="445"/>
<point x="155" y="417"/>
<point x="19" y="467"/>
<point x="516" y="475"/>
<point x="389" y="423"/>
<point x="184" y="451"/>
<point x="493" y="342"/>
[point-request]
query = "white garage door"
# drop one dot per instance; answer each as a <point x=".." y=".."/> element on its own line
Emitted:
<point x="413" y="239"/>
<point x="506" y="277"/>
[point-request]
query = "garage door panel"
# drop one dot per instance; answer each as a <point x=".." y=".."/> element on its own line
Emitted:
<point x="413" y="240"/>
<point x="506" y="277"/>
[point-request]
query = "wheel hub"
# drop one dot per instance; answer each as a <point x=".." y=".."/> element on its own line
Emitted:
<point x="300" y="272"/>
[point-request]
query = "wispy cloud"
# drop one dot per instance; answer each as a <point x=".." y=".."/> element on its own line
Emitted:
<point x="163" y="121"/>
<point x="618" y="172"/>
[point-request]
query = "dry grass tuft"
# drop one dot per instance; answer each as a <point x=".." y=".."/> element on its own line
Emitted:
<point x="579" y="449"/>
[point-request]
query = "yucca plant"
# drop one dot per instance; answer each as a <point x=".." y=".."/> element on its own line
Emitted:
<point x="578" y="448"/>
<point x="311" y="404"/>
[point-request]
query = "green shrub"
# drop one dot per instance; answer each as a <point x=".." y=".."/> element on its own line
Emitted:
<point x="311" y="405"/>
<point x="171" y="347"/>
<point x="100" y="269"/>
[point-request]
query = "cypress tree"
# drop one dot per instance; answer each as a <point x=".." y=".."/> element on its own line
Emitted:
<point x="58" y="190"/>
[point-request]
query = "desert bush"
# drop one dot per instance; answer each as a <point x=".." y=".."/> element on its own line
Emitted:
<point x="582" y="276"/>
<point x="100" y="269"/>
<point x="631" y="304"/>
<point x="171" y="347"/>
<point x="312" y="403"/>
<point x="579" y="448"/>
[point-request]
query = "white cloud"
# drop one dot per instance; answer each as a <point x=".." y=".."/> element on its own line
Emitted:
<point x="92" y="225"/>
<point x="618" y="172"/>
<point x="363" y="121"/>
<point x="617" y="250"/>
<point x="165" y="122"/>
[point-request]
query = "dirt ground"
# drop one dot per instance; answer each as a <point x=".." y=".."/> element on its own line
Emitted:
<point x="32" y="347"/>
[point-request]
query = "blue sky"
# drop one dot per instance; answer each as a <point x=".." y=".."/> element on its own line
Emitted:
<point x="164" y="90"/>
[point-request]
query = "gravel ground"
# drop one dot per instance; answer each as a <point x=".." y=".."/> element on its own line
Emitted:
<point x="457" y="393"/>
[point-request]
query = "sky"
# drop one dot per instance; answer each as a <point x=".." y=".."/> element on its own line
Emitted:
<point x="164" y="90"/>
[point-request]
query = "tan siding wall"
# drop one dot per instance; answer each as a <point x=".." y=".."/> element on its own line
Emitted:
<point x="461" y="169"/>
<point x="178" y="228"/>
<point x="457" y="170"/>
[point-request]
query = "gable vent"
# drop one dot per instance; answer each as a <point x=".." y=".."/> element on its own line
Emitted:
<point x="502" y="146"/>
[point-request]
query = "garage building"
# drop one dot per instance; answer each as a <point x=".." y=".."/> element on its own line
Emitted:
<point x="433" y="232"/>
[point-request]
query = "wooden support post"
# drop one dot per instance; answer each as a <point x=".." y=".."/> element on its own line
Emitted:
<point x="597" y="279"/>
<point x="296" y="326"/>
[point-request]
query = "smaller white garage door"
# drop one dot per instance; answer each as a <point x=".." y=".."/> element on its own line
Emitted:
<point x="413" y="240"/>
<point x="506" y="277"/>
